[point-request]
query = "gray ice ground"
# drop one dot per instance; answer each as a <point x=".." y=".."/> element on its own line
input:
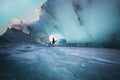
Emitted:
<point x="35" y="62"/>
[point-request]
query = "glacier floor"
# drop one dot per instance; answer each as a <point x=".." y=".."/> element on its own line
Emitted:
<point x="34" y="62"/>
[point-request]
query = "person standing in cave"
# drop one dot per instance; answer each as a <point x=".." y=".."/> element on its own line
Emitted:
<point x="53" y="40"/>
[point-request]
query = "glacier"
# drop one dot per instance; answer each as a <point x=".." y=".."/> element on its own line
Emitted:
<point x="79" y="21"/>
<point x="91" y="22"/>
<point x="81" y="25"/>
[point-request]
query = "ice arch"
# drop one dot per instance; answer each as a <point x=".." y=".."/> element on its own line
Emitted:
<point x="80" y="21"/>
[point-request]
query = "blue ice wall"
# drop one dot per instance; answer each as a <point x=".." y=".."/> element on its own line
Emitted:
<point x="81" y="21"/>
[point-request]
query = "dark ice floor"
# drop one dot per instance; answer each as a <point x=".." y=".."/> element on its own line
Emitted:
<point x="35" y="62"/>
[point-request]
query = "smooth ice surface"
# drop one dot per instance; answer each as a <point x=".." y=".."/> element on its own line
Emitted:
<point x="35" y="62"/>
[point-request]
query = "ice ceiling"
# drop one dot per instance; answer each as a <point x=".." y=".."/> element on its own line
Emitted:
<point x="79" y="20"/>
<point x="20" y="9"/>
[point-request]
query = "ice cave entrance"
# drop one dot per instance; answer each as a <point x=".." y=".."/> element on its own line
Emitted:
<point x="57" y="40"/>
<point x="52" y="39"/>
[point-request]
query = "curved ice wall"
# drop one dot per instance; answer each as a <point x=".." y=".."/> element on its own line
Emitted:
<point x="80" y="21"/>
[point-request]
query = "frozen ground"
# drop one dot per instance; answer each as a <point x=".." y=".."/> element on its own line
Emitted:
<point x="35" y="62"/>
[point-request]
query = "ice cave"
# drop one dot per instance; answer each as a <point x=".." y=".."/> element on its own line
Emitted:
<point x="59" y="39"/>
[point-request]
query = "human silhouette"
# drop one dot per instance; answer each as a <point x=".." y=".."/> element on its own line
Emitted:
<point x="53" y="40"/>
